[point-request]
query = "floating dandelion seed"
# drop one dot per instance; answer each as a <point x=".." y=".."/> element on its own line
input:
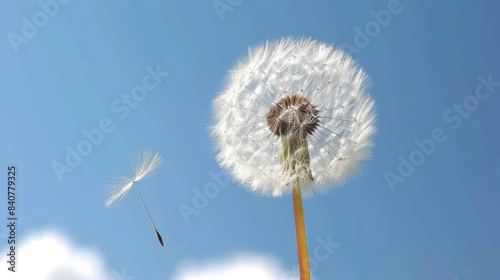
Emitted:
<point x="294" y="117"/>
<point x="145" y="167"/>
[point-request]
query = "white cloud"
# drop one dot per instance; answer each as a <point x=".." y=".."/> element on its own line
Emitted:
<point x="241" y="267"/>
<point x="50" y="255"/>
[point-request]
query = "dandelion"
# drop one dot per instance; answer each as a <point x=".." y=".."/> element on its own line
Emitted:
<point x="294" y="116"/>
<point x="146" y="166"/>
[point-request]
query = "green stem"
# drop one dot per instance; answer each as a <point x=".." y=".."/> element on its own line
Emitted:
<point x="295" y="161"/>
<point x="300" y="232"/>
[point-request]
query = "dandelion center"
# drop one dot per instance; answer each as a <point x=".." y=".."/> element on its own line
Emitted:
<point x="293" y="115"/>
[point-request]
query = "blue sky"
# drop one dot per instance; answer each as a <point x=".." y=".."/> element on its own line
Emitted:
<point x="439" y="222"/>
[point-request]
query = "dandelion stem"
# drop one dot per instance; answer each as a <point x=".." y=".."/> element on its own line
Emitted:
<point x="300" y="231"/>
<point x="160" y="239"/>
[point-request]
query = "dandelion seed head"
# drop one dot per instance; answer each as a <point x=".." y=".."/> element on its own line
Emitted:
<point x="293" y="111"/>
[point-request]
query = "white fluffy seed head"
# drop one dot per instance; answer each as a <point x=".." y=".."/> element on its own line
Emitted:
<point x="251" y="150"/>
<point x="147" y="164"/>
